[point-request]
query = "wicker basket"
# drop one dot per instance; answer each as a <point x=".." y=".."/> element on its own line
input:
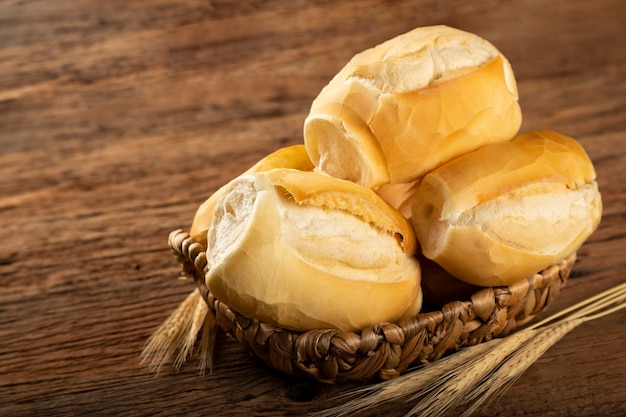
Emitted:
<point x="385" y="350"/>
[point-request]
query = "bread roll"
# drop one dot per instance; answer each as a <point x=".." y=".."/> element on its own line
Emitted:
<point x="508" y="210"/>
<point x="303" y="250"/>
<point x="406" y="106"/>
<point x="289" y="157"/>
<point x="399" y="196"/>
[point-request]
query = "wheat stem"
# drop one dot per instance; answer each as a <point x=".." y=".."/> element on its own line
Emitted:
<point x="611" y="293"/>
<point x="448" y="392"/>
<point x="176" y="336"/>
<point x="207" y="342"/>
<point x="480" y="373"/>
<point x="192" y="329"/>
<point x="518" y="362"/>
<point x="404" y="385"/>
<point x="546" y="337"/>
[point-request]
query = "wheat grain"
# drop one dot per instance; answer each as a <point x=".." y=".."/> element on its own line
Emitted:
<point x="192" y="329"/>
<point x="169" y="337"/>
<point x="207" y="342"/>
<point x="404" y="385"/>
<point x="481" y="381"/>
<point x="448" y="392"/>
<point x="590" y="309"/>
<point x="480" y="373"/>
<point x="518" y="362"/>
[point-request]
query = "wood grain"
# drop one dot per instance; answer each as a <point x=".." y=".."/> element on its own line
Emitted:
<point x="118" y="118"/>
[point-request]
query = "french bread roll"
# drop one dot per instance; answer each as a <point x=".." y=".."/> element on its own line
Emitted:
<point x="399" y="196"/>
<point x="508" y="210"/>
<point x="410" y="104"/>
<point x="289" y="157"/>
<point x="303" y="250"/>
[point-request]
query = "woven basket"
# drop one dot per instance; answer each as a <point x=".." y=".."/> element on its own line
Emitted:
<point x="385" y="350"/>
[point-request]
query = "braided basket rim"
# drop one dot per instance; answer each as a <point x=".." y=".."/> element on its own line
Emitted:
<point x="384" y="350"/>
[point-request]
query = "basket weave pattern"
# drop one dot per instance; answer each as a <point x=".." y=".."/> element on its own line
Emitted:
<point x="385" y="350"/>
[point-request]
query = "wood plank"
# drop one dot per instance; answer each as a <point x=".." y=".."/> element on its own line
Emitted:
<point x="118" y="118"/>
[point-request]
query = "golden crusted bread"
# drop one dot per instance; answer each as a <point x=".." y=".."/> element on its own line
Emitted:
<point x="304" y="250"/>
<point x="289" y="157"/>
<point x="411" y="141"/>
<point x="508" y="210"/>
<point x="410" y="104"/>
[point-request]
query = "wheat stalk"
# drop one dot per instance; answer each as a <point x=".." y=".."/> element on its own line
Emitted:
<point x="207" y="342"/>
<point x="480" y="373"/>
<point x="195" y="324"/>
<point x="177" y="336"/>
<point x="404" y="385"/>
<point x="518" y="362"/>
<point x="545" y="338"/>
<point x="448" y="392"/>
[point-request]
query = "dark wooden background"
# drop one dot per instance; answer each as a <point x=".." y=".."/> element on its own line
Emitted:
<point x="119" y="117"/>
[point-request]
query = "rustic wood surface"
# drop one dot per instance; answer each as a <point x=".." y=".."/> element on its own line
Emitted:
<point x="118" y="118"/>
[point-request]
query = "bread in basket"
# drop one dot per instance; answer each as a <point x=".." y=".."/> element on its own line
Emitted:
<point x="311" y="258"/>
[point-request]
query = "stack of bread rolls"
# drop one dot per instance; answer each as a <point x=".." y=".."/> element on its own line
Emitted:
<point x="409" y="152"/>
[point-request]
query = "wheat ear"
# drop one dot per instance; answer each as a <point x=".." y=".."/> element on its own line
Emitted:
<point x="207" y="342"/>
<point x="176" y="337"/>
<point x="479" y="373"/>
<point x="590" y="309"/>
<point x="404" y="385"/>
<point x="448" y="392"/>
<point x="519" y="361"/>
<point x="507" y="361"/>
<point x="196" y="323"/>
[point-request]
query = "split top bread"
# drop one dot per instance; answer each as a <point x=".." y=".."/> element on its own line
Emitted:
<point x="303" y="250"/>
<point x="408" y="105"/>
<point x="289" y="157"/>
<point x="508" y="210"/>
<point x="420" y="127"/>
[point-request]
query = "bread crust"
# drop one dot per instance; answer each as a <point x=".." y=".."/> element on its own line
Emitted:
<point x="508" y="210"/>
<point x="303" y="250"/>
<point x="408" y="105"/>
<point x="294" y="156"/>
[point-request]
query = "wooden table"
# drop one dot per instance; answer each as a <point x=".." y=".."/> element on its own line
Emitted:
<point x="118" y="118"/>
